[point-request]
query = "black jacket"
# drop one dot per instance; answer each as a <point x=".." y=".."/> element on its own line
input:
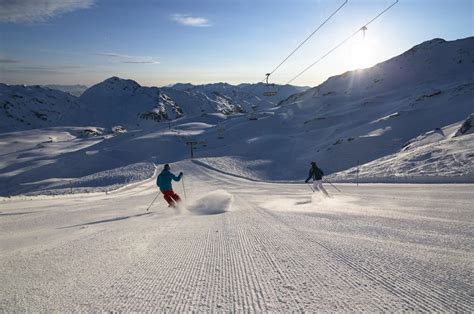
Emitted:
<point x="315" y="173"/>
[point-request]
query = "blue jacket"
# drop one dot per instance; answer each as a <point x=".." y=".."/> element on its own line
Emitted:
<point x="164" y="180"/>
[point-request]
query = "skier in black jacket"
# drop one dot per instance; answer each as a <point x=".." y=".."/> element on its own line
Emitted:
<point x="317" y="175"/>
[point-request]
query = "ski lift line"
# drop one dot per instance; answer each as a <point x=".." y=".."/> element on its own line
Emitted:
<point x="255" y="86"/>
<point x="324" y="56"/>
<point x="343" y="42"/>
<point x="265" y="80"/>
<point x="388" y="8"/>
<point x="307" y="38"/>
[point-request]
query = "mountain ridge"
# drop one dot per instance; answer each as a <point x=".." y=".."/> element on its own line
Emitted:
<point x="384" y="119"/>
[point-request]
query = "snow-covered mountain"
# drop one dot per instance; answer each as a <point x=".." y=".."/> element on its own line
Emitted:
<point x="440" y="155"/>
<point x="396" y="120"/>
<point x="75" y="90"/>
<point x="125" y="102"/>
<point x="31" y="107"/>
<point x="363" y="115"/>
<point x="366" y="115"/>
<point x="247" y="96"/>
<point x="118" y="101"/>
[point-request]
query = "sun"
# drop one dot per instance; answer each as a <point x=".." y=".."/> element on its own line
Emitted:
<point x="361" y="54"/>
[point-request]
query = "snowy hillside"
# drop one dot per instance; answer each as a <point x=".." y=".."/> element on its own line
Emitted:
<point x="75" y="90"/>
<point x="396" y="120"/>
<point x="247" y="96"/>
<point x="363" y="115"/>
<point x="29" y="107"/>
<point x="125" y="102"/>
<point x="441" y="155"/>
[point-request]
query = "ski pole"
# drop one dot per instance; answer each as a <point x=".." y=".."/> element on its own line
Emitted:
<point x="184" y="190"/>
<point x="333" y="186"/>
<point x="311" y="187"/>
<point x="153" y="201"/>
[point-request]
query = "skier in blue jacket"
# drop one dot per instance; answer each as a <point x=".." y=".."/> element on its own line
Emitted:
<point x="164" y="183"/>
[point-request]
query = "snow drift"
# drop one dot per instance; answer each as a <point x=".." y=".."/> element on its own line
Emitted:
<point x="217" y="202"/>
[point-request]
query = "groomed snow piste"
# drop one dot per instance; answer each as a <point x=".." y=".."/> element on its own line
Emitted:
<point x="239" y="245"/>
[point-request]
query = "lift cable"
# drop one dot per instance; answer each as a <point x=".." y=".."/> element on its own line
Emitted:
<point x="265" y="80"/>
<point x="307" y="38"/>
<point x="341" y="43"/>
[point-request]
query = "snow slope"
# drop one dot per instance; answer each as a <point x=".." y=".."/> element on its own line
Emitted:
<point x="125" y="102"/>
<point x="366" y="114"/>
<point x="31" y="107"/>
<point x="76" y="236"/>
<point x="367" y="117"/>
<point x="75" y="90"/>
<point x="246" y="95"/>
<point x="57" y="159"/>
<point x="271" y="248"/>
<point x="436" y="156"/>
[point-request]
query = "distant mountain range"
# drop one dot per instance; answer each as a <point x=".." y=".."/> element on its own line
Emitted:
<point x="124" y="102"/>
<point x="408" y="119"/>
<point x="75" y="90"/>
<point x="31" y="107"/>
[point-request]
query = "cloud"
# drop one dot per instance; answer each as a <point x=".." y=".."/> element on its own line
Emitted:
<point x="112" y="55"/>
<point x="28" y="11"/>
<point x="189" y="20"/>
<point x="8" y="60"/>
<point x="128" y="59"/>
<point x="143" y="61"/>
<point x="43" y="69"/>
<point x="35" y="70"/>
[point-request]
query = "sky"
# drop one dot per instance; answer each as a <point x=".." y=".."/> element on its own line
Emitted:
<point x="158" y="43"/>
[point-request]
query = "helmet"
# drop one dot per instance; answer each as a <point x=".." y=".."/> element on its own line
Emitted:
<point x="167" y="166"/>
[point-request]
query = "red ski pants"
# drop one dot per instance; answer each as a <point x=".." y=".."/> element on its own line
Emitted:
<point x="171" y="197"/>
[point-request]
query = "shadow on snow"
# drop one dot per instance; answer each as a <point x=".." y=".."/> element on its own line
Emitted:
<point x="14" y="214"/>
<point x="106" y="220"/>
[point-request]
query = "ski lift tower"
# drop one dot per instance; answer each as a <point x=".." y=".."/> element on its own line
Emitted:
<point x="220" y="131"/>
<point x="253" y="114"/>
<point x="193" y="144"/>
<point x="191" y="147"/>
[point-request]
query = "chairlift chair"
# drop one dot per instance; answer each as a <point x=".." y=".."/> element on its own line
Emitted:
<point x="269" y="88"/>
<point x="363" y="29"/>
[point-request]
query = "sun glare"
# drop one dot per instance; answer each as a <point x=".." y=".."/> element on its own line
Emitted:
<point x="361" y="54"/>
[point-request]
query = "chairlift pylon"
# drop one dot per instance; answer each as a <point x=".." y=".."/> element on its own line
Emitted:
<point x="269" y="88"/>
<point x="363" y="29"/>
<point x="253" y="114"/>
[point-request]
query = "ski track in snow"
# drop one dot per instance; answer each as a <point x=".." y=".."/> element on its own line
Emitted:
<point x="372" y="248"/>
